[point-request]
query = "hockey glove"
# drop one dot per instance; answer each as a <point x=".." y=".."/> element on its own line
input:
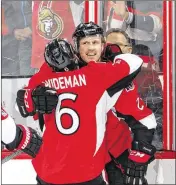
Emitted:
<point x="45" y="99"/>
<point x="25" y="103"/>
<point x="110" y="52"/>
<point x="27" y="140"/>
<point x="134" y="164"/>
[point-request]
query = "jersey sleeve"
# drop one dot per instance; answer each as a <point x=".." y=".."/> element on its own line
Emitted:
<point x="33" y="83"/>
<point x="8" y="127"/>
<point x="119" y="74"/>
<point x="130" y="103"/>
<point x="133" y="110"/>
<point x="36" y="79"/>
<point x="124" y="68"/>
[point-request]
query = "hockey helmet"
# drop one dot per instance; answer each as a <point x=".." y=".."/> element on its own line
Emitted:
<point x="59" y="55"/>
<point x="86" y="29"/>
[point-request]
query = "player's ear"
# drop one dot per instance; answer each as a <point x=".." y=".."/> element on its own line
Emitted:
<point x="102" y="47"/>
<point x="104" y="39"/>
<point x="129" y="49"/>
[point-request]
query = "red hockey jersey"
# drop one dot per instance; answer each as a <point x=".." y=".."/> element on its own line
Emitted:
<point x="118" y="135"/>
<point x="73" y="147"/>
<point x="130" y="103"/>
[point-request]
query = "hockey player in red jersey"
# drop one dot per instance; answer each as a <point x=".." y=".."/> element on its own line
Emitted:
<point x="19" y="136"/>
<point x="73" y="149"/>
<point x="117" y="36"/>
<point x="129" y="107"/>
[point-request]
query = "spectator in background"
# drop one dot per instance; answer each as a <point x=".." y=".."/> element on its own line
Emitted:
<point x="10" y="64"/>
<point x="141" y="20"/>
<point x="150" y="88"/>
<point x="17" y="40"/>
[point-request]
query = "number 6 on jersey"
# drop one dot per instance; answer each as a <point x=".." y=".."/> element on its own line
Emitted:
<point x="61" y="111"/>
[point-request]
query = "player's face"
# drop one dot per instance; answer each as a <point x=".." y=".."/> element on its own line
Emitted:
<point x="90" y="48"/>
<point x="120" y="40"/>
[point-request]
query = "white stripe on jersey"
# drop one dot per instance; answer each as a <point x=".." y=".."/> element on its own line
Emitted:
<point x="133" y="61"/>
<point x="103" y="106"/>
<point x="8" y="130"/>
<point x="149" y="121"/>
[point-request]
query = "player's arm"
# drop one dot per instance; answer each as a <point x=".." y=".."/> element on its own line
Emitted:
<point x="120" y="73"/>
<point x="124" y="69"/>
<point x="129" y="105"/>
<point x="19" y="137"/>
<point x="141" y="120"/>
<point x="133" y="110"/>
<point x="40" y="99"/>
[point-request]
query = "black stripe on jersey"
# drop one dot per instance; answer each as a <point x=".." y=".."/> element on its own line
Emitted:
<point x="123" y="83"/>
<point x="140" y="131"/>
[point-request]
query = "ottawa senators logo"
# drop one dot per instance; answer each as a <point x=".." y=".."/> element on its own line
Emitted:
<point x="50" y="25"/>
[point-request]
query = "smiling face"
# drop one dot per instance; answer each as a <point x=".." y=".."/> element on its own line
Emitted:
<point x="90" y="48"/>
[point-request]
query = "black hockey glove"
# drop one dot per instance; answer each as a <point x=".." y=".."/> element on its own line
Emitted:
<point x="45" y="99"/>
<point x="23" y="103"/>
<point x="27" y="139"/>
<point x="110" y="52"/>
<point x="134" y="163"/>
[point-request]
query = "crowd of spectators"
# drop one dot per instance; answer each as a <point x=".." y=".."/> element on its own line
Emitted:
<point x="141" y="20"/>
<point x="27" y="26"/>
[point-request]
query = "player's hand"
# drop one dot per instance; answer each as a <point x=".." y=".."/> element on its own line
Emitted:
<point x="135" y="168"/>
<point x="45" y="99"/>
<point x="27" y="139"/>
<point x="134" y="163"/>
<point x="25" y="103"/>
<point x="30" y="141"/>
<point x="110" y="51"/>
